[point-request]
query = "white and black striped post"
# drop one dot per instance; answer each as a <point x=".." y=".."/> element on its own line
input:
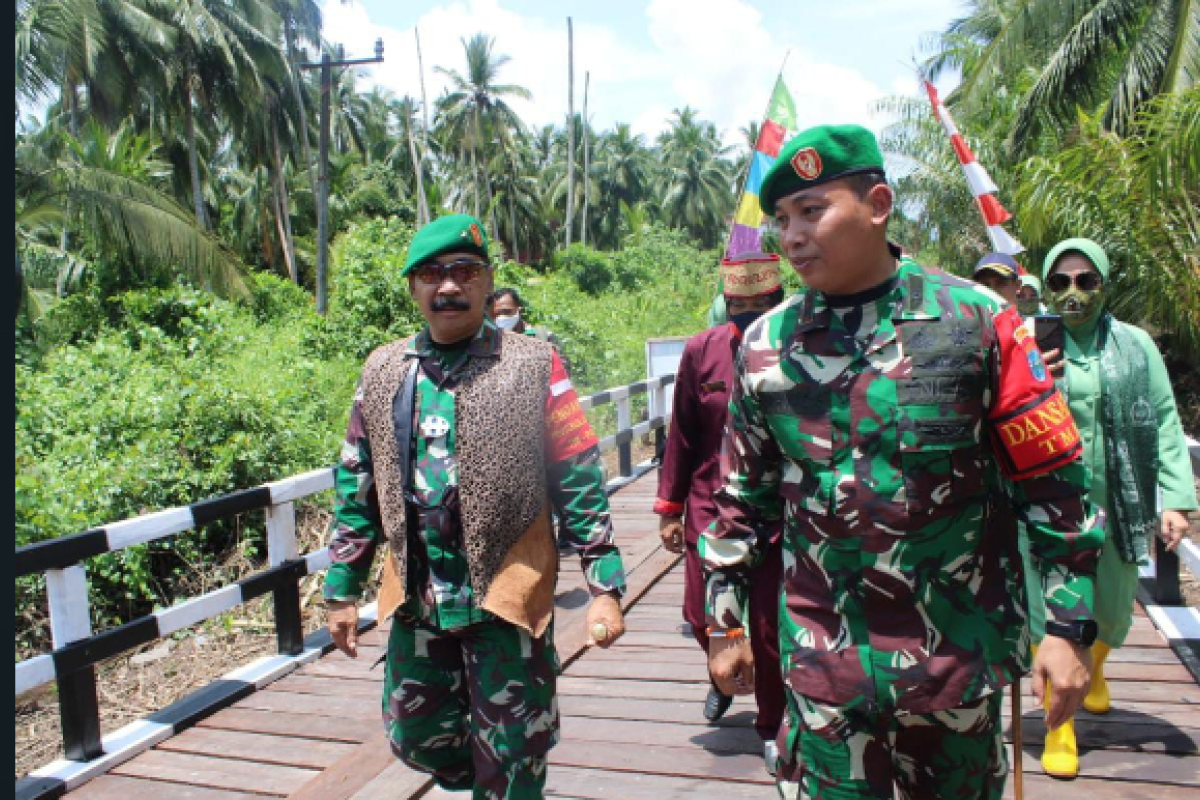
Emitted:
<point x="282" y="549"/>
<point x="625" y="443"/>
<point x="78" y="702"/>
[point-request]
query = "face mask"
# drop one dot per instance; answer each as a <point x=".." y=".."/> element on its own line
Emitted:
<point x="508" y="323"/>
<point x="1077" y="306"/>
<point x="1028" y="307"/>
<point x="744" y="320"/>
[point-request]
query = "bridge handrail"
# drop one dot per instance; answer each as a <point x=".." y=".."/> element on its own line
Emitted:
<point x="77" y="650"/>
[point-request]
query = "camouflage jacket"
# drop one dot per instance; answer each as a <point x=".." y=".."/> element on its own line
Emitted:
<point x="899" y="437"/>
<point x="441" y="590"/>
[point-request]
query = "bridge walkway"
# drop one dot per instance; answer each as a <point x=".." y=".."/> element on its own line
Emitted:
<point x="632" y="727"/>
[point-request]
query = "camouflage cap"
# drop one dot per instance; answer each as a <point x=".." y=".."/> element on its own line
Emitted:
<point x="445" y="235"/>
<point x="819" y="155"/>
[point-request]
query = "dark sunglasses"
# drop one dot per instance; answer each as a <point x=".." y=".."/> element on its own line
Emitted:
<point x="1086" y="281"/>
<point x="463" y="270"/>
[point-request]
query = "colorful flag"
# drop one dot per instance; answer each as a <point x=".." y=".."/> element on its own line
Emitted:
<point x="984" y="191"/>
<point x="778" y="126"/>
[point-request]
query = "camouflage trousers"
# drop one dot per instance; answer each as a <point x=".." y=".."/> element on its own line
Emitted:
<point x="475" y="707"/>
<point x="861" y="752"/>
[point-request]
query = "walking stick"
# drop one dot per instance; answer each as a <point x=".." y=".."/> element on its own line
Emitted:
<point x="1018" y="748"/>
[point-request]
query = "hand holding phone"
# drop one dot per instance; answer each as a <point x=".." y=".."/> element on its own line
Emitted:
<point x="1048" y="331"/>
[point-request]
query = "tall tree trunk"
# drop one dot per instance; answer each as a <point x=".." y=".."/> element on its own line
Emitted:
<point x="475" y="178"/>
<point x="70" y="96"/>
<point x="421" y="71"/>
<point x="418" y="168"/>
<point x="293" y="73"/>
<point x="282" y="213"/>
<point x="189" y="126"/>
<point x="583" y="221"/>
<point x="487" y="180"/>
<point x="570" y="128"/>
<point x="512" y="218"/>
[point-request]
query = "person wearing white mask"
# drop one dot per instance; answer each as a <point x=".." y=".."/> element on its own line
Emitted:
<point x="506" y="309"/>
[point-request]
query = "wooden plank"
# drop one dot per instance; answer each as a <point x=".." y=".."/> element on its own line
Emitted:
<point x="636" y="654"/>
<point x="690" y="711"/>
<point x="1184" y="694"/>
<point x="571" y="684"/>
<point x="218" y="773"/>
<point x="1127" y="712"/>
<point x="595" y="784"/>
<point x="730" y="739"/>
<point x="119" y="787"/>
<point x="1153" y="737"/>
<point x="269" y="749"/>
<point x="314" y="705"/>
<point x="395" y="781"/>
<point x="680" y="762"/>
<point x="1040" y="786"/>
<point x="333" y="729"/>
<point x="644" y="670"/>
<point x="371" y="765"/>
<point x="315" y="684"/>
<point x="1115" y="766"/>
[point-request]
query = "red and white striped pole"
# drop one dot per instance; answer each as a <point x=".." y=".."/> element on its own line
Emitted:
<point x="994" y="214"/>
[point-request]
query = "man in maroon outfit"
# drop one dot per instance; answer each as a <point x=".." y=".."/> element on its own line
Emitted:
<point x="691" y="471"/>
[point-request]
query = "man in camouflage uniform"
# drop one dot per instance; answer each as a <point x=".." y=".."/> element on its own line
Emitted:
<point x="898" y="421"/>
<point x="459" y="440"/>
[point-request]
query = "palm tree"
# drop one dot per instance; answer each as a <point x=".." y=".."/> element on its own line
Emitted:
<point x="1070" y="54"/>
<point x="699" y="193"/>
<point x="1138" y="196"/>
<point x="102" y="186"/>
<point x="475" y="108"/>
<point x="222" y="51"/>
<point x="621" y="173"/>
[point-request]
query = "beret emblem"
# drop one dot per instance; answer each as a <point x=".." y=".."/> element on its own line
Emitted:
<point x="476" y="236"/>
<point x="807" y="163"/>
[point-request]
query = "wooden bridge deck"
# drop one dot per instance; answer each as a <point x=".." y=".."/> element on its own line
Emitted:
<point x="632" y="726"/>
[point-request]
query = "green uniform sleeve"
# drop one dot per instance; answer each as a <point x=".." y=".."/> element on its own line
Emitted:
<point x="577" y="493"/>
<point x="1175" y="477"/>
<point x="356" y="522"/>
<point x="735" y="543"/>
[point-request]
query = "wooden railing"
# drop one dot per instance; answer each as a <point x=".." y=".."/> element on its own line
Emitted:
<point x="77" y="650"/>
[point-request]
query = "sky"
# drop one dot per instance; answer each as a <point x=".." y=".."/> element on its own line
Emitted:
<point x="649" y="57"/>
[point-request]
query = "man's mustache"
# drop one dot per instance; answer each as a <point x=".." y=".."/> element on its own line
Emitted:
<point x="450" y="304"/>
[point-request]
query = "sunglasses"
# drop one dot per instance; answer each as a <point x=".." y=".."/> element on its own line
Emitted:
<point x="1086" y="281"/>
<point x="463" y="270"/>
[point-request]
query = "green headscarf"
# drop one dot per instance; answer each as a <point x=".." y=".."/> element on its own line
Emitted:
<point x="1080" y="310"/>
<point x="1033" y="306"/>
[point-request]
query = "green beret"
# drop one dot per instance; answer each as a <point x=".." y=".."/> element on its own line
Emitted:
<point x="446" y="235"/>
<point x="819" y="155"/>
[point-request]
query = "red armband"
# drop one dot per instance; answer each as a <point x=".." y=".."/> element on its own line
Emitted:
<point x="568" y="432"/>
<point x="1032" y="428"/>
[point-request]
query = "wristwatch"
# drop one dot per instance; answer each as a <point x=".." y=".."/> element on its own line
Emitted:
<point x="1081" y="631"/>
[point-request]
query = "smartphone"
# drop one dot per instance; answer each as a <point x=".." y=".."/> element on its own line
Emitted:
<point x="1048" y="331"/>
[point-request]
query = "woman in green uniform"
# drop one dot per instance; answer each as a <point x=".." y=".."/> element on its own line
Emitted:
<point x="1133" y="445"/>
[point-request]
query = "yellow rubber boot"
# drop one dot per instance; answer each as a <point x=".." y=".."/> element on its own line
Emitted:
<point x="1060" y="755"/>
<point x="1098" y="700"/>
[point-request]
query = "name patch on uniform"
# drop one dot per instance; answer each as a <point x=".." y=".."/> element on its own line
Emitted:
<point x="1041" y="435"/>
<point x="712" y="386"/>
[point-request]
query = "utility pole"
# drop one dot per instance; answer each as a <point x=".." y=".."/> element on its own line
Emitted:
<point x="570" y="129"/>
<point x="326" y="66"/>
<point x="583" y="219"/>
